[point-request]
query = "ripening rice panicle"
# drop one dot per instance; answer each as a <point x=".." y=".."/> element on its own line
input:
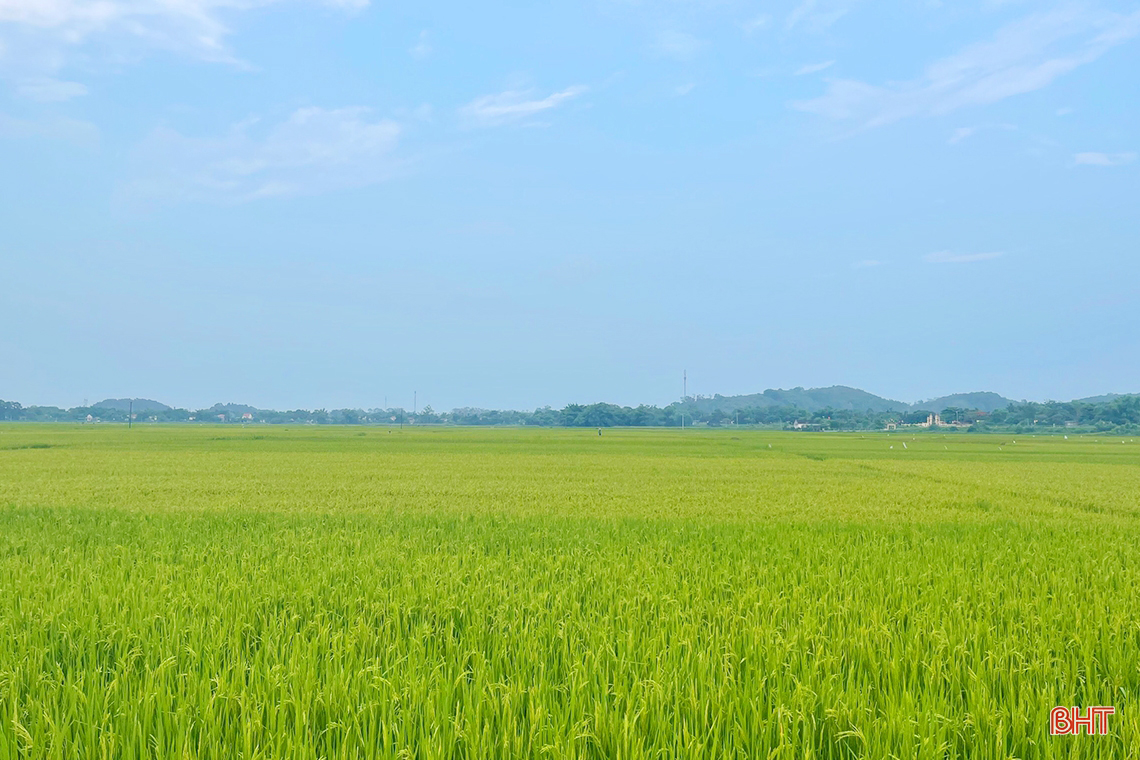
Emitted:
<point x="207" y="592"/>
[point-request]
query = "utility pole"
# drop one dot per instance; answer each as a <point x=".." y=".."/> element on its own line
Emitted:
<point x="684" y="394"/>
<point x="415" y="400"/>
<point x="130" y="413"/>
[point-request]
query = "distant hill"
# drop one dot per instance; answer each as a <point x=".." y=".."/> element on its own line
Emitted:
<point x="809" y="399"/>
<point x="1105" y="398"/>
<point x="986" y="401"/>
<point x="124" y="404"/>
<point x="845" y="398"/>
<point x="233" y="409"/>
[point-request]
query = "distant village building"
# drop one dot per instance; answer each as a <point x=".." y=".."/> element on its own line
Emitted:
<point x="932" y="420"/>
<point x="935" y="420"/>
<point x="247" y="417"/>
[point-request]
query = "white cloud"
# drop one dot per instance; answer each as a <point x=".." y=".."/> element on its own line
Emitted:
<point x="47" y="31"/>
<point x="681" y="46"/>
<point x="684" y="89"/>
<point x="817" y="15"/>
<point x="755" y="24"/>
<point x="946" y="257"/>
<point x="1021" y="57"/>
<point x="962" y="133"/>
<point x="70" y="130"/>
<point x="48" y="90"/>
<point x="513" y="106"/>
<point x="422" y="49"/>
<point x="811" y="68"/>
<point x="965" y="133"/>
<point x="1103" y="159"/>
<point x="314" y="150"/>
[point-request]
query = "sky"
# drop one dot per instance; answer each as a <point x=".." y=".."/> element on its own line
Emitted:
<point x="342" y="203"/>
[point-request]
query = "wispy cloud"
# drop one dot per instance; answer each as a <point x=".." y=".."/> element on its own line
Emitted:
<point x="817" y="15"/>
<point x="49" y="90"/>
<point x="313" y="150"/>
<point x="947" y="257"/>
<point x="964" y="133"/>
<point x="50" y="31"/>
<point x="513" y="106"/>
<point x="69" y="130"/>
<point x="812" y="68"/>
<point x="1103" y="159"/>
<point x="681" y="46"/>
<point x="756" y="23"/>
<point x="1021" y="57"/>
<point x="422" y="49"/>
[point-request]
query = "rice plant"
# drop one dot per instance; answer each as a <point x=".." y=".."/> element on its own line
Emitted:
<point x="299" y="593"/>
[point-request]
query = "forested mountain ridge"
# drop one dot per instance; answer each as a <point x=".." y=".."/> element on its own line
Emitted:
<point x="844" y="398"/>
<point x="985" y="401"/>
<point x="138" y="404"/>
<point x="809" y="399"/>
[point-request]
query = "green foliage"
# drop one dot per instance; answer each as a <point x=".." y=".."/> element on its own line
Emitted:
<point x="836" y="397"/>
<point x="1119" y="414"/>
<point x="1120" y="410"/>
<point x="219" y="592"/>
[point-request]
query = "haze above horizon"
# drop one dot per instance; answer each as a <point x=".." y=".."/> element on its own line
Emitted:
<point x="338" y="203"/>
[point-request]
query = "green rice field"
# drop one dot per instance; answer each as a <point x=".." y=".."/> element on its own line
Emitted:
<point x="304" y="592"/>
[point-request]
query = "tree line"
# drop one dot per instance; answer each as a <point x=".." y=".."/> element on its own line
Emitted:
<point x="1120" y="413"/>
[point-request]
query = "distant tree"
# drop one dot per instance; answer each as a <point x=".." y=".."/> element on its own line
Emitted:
<point x="915" y="417"/>
<point x="10" y="410"/>
<point x="428" y="416"/>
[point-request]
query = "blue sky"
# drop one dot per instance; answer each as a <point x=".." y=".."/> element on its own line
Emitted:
<point x="328" y="204"/>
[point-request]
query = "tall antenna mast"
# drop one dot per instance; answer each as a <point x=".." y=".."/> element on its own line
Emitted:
<point x="684" y="394"/>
